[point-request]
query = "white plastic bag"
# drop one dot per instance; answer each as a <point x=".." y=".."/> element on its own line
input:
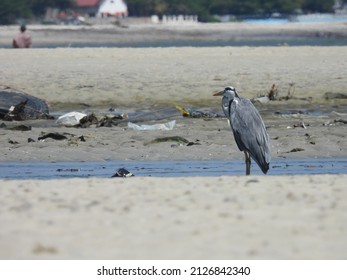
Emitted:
<point x="263" y="99"/>
<point x="162" y="126"/>
<point x="70" y="119"/>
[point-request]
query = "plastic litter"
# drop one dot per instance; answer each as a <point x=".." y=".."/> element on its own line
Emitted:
<point x="163" y="126"/>
<point x="70" y="119"/>
<point x="263" y="99"/>
<point x="192" y="113"/>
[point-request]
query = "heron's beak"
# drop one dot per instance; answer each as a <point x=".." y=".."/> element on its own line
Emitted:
<point x="218" y="93"/>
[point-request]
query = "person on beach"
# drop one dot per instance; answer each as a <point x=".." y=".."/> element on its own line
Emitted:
<point x="22" y="39"/>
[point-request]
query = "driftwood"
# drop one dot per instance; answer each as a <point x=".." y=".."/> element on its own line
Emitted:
<point x="273" y="94"/>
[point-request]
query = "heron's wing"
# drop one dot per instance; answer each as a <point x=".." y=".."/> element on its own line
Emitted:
<point x="250" y="132"/>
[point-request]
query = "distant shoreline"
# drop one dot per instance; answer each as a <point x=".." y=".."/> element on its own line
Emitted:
<point x="183" y="35"/>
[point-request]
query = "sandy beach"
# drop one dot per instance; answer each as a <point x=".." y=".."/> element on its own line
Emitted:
<point x="129" y="80"/>
<point x="294" y="217"/>
<point x="228" y="217"/>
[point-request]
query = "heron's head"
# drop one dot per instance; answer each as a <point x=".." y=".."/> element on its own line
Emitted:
<point x="229" y="93"/>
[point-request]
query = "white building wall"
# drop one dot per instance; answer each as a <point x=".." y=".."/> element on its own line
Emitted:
<point x="113" y="8"/>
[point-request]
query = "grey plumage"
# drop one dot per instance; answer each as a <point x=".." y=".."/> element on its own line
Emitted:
<point x="248" y="128"/>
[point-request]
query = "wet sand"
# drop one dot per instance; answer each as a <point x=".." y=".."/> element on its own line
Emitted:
<point x="259" y="217"/>
<point x="130" y="80"/>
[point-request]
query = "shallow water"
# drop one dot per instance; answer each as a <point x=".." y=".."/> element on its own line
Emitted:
<point x="309" y="18"/>
<point x="63" y="170"/>
<point x="273" y="40"/>
<point x="168" y="113"/>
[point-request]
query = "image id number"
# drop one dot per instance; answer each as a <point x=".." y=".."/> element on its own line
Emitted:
<point x="220" y="270"/>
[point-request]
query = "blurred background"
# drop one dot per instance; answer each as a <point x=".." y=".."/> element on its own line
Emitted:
<point x="83" y="11"/>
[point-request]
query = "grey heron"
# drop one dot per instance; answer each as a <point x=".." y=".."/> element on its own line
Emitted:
<point x="248" y="128"/>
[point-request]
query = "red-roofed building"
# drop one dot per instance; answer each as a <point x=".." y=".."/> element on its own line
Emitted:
<point x="89" y="7"/>
<point x="116" y="8"/>
<point x="85" y="3"/>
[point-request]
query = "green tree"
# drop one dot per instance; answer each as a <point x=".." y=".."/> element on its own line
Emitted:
<point x="142" y="8"/>
<point x="11" y="10"/>
<point x="321" y="6"/>
<point x="38" y="7"/>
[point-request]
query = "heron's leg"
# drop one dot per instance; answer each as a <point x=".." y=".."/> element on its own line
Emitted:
<point x="248" y="163"/>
